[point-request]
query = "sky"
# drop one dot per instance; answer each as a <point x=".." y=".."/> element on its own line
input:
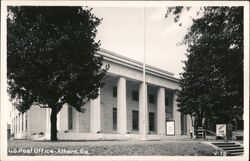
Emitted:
<point x="124" y="29"/>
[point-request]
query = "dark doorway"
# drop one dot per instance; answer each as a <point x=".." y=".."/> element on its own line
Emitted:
<point x="183" y="124"/>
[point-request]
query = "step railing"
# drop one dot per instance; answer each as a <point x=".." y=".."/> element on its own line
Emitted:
<point x="213" y="134"/>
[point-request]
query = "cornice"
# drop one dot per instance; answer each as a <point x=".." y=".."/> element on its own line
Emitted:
<point x="134" y="64"/>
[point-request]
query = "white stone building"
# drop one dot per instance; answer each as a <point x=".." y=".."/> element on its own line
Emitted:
<point x="118" y="112"/>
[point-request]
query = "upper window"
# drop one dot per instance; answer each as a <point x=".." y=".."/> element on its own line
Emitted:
<point x="151" y="98"/>
<point x="114" y="91"/>
<point x="135" y="95"/>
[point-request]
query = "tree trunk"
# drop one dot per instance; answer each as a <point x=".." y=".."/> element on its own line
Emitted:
<point x="53" y="130"/>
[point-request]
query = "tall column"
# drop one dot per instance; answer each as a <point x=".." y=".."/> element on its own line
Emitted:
<point x="28" y="123"/>
<point x="161" y="111"/>
<point x="143" y="114"/>
<point x="95" y="115"/>
<point x="176" y="116"/>
<point x="121" y="106"/>
<point x="15" y="125"/>
<point x="77" y="116"/>
<point x="189" y="124"/>
<point x="58" y="121"/>
<point x="24" y="121"/>
<point x="12" y="126"/>
<point x="63" y="117"/>
<point x="47" y="123"/>
<point x="28" y="117"/>
<point x="20" y="122"/>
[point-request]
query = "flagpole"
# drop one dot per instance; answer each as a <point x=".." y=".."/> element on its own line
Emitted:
<point x="144" y="77"/>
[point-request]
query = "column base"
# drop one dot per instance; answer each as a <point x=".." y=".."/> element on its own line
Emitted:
<point x="47" y="136"/>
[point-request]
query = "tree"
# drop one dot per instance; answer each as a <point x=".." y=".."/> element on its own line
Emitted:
<point x="212" y="81"/>
<point x="51" y="58"/>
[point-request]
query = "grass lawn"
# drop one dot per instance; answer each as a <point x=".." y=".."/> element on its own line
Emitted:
<point x="119" y="148"/>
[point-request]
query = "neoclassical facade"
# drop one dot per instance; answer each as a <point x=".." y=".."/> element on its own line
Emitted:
<point x="118" y="112"/>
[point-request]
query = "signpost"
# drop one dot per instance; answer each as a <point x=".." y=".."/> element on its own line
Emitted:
<point x="170" y="128"/>
<point x="221" y="130"/>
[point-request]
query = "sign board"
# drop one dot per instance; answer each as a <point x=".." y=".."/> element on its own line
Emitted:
<point x="221" y="130"/>
<point x="170" y="128"/>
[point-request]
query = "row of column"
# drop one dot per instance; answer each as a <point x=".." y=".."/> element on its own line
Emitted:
<point x="95" y="111"/>
<point x="19" y="123"/>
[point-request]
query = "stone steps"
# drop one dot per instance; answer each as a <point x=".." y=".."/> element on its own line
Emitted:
<point x="232" y="148"/>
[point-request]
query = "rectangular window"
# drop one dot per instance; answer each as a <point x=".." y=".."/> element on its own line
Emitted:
<point x="166" y="101"/>
<point x="151" y="98"/>
<point x="114" y="91"/>
<point x="70" y="118"/>
<point x="114" y="118"/>
<point x="22" y="121"/>
<point x="135" y="95"/>
<point x="151" y="121"/>
<point x="135" y="120"/>
<point x="26" y="121"/>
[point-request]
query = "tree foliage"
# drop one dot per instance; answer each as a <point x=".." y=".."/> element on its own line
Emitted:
<point x="212" y="81"/>
<point x="51" y="58"/>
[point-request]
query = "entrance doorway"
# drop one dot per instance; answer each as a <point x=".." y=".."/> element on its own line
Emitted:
<point x="183" y="124"/>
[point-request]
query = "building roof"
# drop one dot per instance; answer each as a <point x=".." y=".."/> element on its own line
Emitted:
<point x="116" y="58"/>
